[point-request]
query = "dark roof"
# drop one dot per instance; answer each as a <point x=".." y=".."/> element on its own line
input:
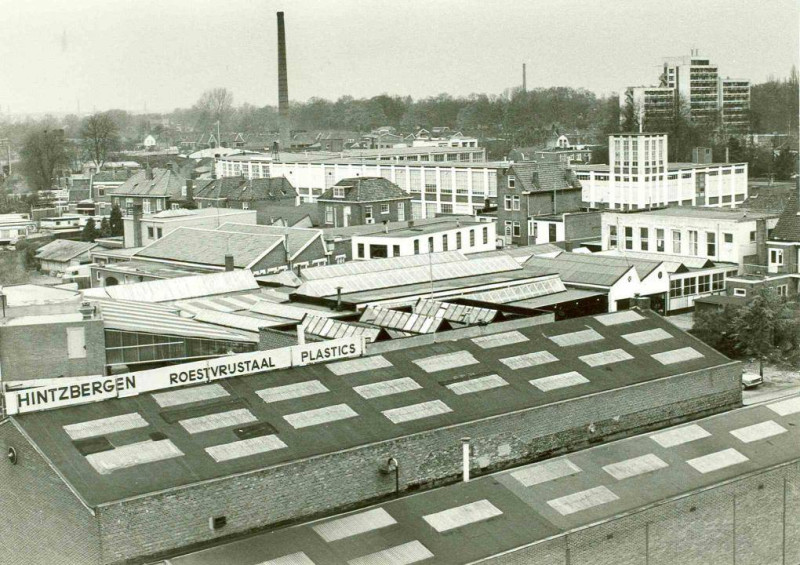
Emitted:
<point x="114" y="175"/>
<point x="369" y="424"/>
<point x="63" y="250"/>
<point x="164" y="182"/>
<point x="770" y="199"/>
<point x="527" y="498"/>
<point x="242" y="189"/>
<point x="535" y="176"/>
<point x="366" y="189"/>
<point x="291" y="215"/>
<point x="788" y="226"/>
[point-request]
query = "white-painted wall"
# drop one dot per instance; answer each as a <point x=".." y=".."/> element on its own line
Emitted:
<point x="485" y="236"/>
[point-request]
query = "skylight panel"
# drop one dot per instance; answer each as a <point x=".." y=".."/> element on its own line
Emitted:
<point x="677" y="356"/>
<point x="499" y="340"/>
<point x="288" y="392"/>
<point x="647" y="336"/>
<point x="446" y="361"/>
<point x="758" y="432"/>
<point x="244" y="448"/>
<point x="582" y="500"/>
<point x="320" y="416"/>
<point x="679" y="436"/>
<point x="106" y="462"/>
<point x="528" y="360"/>
<point x="477" y="385"/>
<point x="563" y="380"/>
<point x="417" y="411"/>
<point x="606" y="357"/>
<point x="104" y="426"/>
<point x="717" y="461"/>
<point x="576" y="338"/>
<point x="216" y="421"/>
<point x="188" y="395"/>
<point x="403" y="554"/>
<point x="545" y="472"/>
<point x="785" y="407"/>
<point x="354" y="524"/>
<point x="461" y="516"/>
<point x="635" y="466"/>
<point x="386" y="388"/>
<point x="371" y="363"/>
<point x="298" y="558"/>
<point x="615" y="318"/>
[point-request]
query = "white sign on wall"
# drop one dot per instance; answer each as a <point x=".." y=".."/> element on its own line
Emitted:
<point x="55" y="393"/>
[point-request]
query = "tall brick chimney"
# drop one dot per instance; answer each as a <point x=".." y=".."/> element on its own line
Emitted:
<point x="283" y="88"/>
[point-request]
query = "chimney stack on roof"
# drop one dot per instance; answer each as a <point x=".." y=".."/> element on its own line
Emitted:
<point x="283" y="87"/>
<point x="228" y="263"/>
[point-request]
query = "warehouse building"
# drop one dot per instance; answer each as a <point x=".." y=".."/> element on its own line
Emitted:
<point x="138" y="477"/>
<point x="721" y="490"/>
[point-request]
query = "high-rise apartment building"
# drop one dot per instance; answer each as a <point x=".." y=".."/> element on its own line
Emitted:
<point x="693" y="86"/>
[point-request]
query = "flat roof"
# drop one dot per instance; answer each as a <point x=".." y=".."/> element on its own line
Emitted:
<point x="670" y="166"/>
<point x="732" y="214"/>
<point x="426" y="229"/>
<point x="557" y="298"/>
<point x="325" y="392"/>
<point x="526" y="505"/>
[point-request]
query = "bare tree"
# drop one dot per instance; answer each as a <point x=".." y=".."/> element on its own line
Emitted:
<point x="100" y="136"/>
<point x="215" y="105"/>
<point x="43" y="153"/>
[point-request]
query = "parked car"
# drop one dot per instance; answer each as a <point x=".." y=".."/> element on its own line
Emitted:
<point x="751" y="380"/>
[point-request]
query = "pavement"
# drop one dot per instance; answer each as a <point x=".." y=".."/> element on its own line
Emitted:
<point x="778" y="383"/>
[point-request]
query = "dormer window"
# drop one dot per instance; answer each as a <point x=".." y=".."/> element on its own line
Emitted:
<point x="512" y="181"/>
<point x="338" y="192"/>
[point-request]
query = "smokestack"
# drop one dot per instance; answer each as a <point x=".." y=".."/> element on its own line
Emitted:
<point x="228" y="263"/>
<point x="465" y="457"/>
<point x="524" y="79"/>
<point x="283" y="87"/>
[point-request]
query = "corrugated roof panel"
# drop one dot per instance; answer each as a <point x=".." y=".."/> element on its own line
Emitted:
<point x="498" y="340"/>
<point x="355" y="524"/>
<point x="529" y="360"/>
<point x="372" y="363"/>
<point x="446" y="361"/>
<point x="477" y="385"/>
<point x="320" y="416"/>
<point x="404" y="321"/>
<point x="545" y="472"/>
<point x="647" y="336"/>
<point x="216" y="421"/>
<point x="133" y="454"/>
<point x="606" y="357"/>
<point x="244" y="448"/>
<point x="288" y="392"/>
<point x="332" y="329"/>
<point x="104" y="426"/>
<point x="379" y="265"/>
<point x="547" y="285"/>
<point x="386" y="388"/>
<point x="679" y="436"/>
<point x="461" y="516"/>
<point x="282" y="310"/>
<point x="188" y="395"/>
<point x="182" y="288"/>
<point x="718" y="460"/>
<point x="563" y="380"/>
<point x="635" y="466"/>
<point x="583" y="500"/>
<point x="576" y="338"/>
<point x="403" y="554"/>
<point x="417" y="411"/>
<point x="459" y="313"/>
<point x="677" y="355"/>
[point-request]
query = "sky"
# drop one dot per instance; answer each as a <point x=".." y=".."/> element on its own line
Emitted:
<point x="62" y="56"/>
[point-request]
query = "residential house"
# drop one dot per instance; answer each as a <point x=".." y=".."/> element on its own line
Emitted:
<point x="154" y="190"/>
<point x="141" y="230"/>
<point x="305" y="247"/>
<point x="103" y="182"/>
<point x="258" y="194"/>
<point x="56" y="257"/>
<point x="364" y="200"/>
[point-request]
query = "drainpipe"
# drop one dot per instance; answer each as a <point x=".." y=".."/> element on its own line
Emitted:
<point x="465" y="457"/>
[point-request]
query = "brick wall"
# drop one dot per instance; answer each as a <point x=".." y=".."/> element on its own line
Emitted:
<point x="43" y="523"/>
<point x="314" y="251"/>
<point x="751" y="521"/>
<point x="300" y="489"/>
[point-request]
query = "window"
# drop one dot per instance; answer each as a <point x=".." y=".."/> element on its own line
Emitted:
<point x="329" y="214"/>
<point x="416" y="247"/>
<point x="341" y="259"/>
<point x="150" y="232"/>
<point x="740" y="292"/>
<point x="368" y="211"/>
<point x="458" y="240"/>
<point x="384" y="208"/>
<point x="98" y="277"/>
<point x="692" y="242"/>
<point x="644" y="239"/>
<point x="175" y="207"/>
<point x="512" y="181"/>
<point x="689" y="286"/>
<point x="717" y="281"/>
<point x="245" y="205"/>
<point x="727" y="237"/>
<point x="752" y="236"/>
<point x="675" y="288"/>
<point x="485" y="235"/>
<point x="401" y="211"/>
<point x="146" y="206"/>
<point x="159" y="233"/>
<point x="515" y="202"/>
<point x="338" y="192"/>
<point x="704" y="283"/>
<point x="776" y="256"/>
<point x="676" y="242"/>
<point x="447" y="208"/>
<point x="395" y="251"/>
<point x="660" y="240"/>
<point x="360" y="254"/>
<point x="711" y="244"/>
<point x="783" y="290"/>
<point x="517" y="229"/>
<point x="628" y="238"/>
<point x="612" y="237"/>
<point x="444" y="242"/>
<point x="507" y="228"/>
<point x="507" y="202"/>
<point x="472" y="238"/>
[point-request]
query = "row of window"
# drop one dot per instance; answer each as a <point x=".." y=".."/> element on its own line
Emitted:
<point x="696" y="285"/>
<point x="445" y="243"/>
<point x="677" y="247"/>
